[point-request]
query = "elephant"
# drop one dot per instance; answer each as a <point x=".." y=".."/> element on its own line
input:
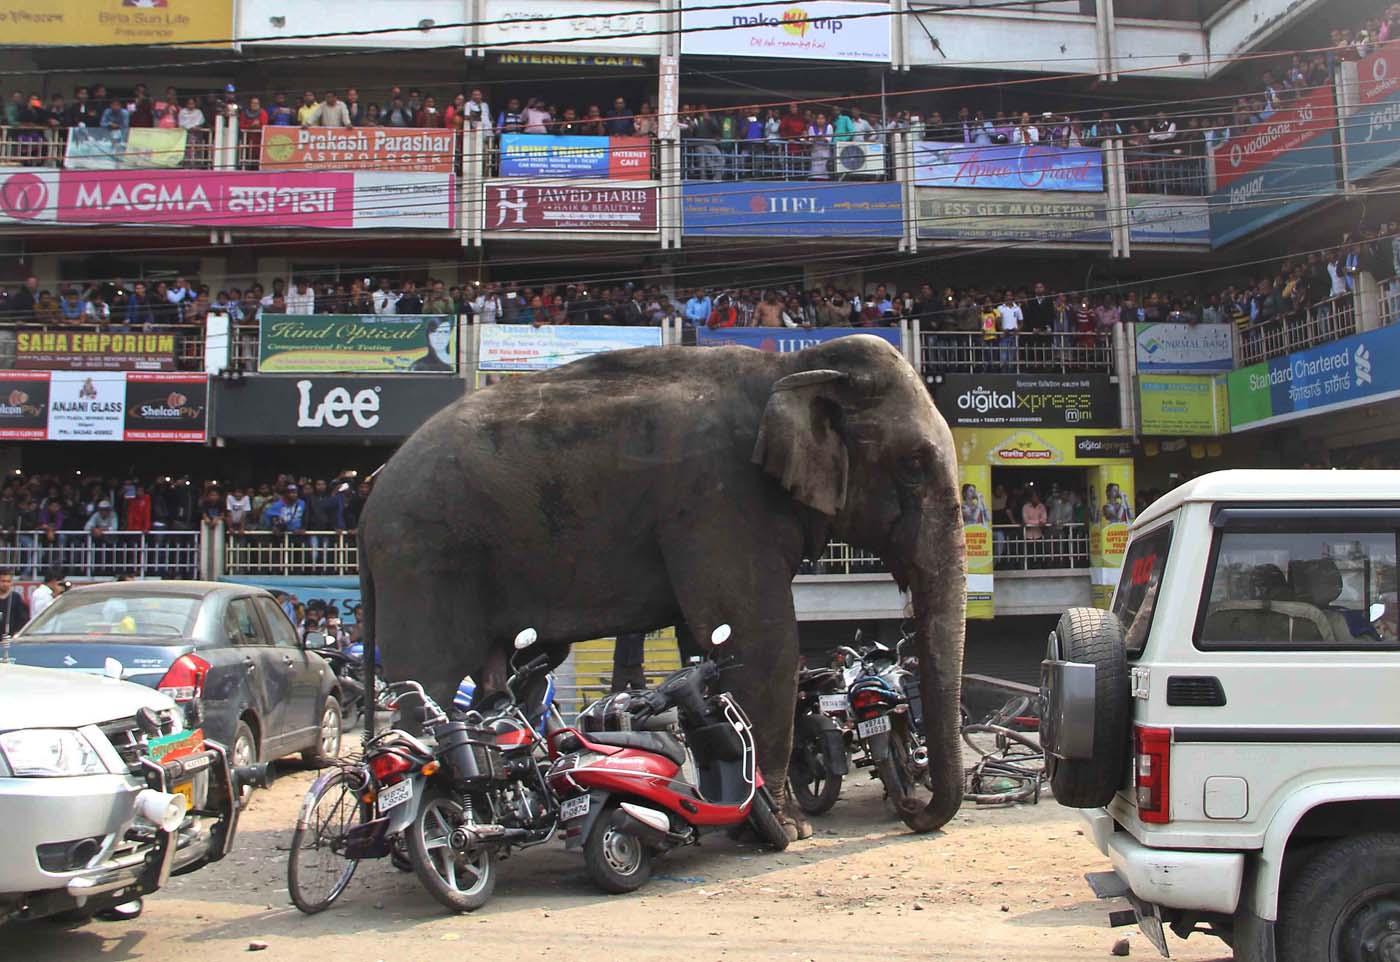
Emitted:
<point x="641" y="488"/>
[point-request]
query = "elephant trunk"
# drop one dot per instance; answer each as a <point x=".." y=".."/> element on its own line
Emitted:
<point x="938" y="586"/>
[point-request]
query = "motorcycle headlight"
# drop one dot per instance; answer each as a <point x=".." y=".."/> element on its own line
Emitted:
<point x="50" y="752"/>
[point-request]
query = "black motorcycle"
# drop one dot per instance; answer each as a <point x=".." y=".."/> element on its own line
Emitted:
<point x="819" y="760"/>
<point x="888" y="711"/>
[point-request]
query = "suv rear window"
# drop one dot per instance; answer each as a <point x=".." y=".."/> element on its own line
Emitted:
<point x="1301" y="590"/>
<point x="1136" y="598"/>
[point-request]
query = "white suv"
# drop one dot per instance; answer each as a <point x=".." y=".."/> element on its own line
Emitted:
<point x="1232" y="727"/>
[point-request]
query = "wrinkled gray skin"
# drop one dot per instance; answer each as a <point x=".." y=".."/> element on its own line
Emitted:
<point x="638" y="489"/>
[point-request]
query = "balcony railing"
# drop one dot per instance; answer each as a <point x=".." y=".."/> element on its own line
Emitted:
<point x="317" y="553"/>
<point x="1018" y="353"/>
<point x="1176" y="171"/>
<point x="29" y="146"/>
<point x="1326" y="321"/>
<point x="1057" y="546"/>
<point x="1390" y="301"/>
<point x="785" y="160"/>
<point x="165" y="554"/>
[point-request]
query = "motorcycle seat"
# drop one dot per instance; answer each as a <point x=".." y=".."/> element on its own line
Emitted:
<point x="658" y="743"/>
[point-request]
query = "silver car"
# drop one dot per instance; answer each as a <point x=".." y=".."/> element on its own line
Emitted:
<point x="103" y="794"/>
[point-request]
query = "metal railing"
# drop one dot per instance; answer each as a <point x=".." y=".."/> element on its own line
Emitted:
<point x="785" y="160"/>
<point x="1325" y="321"/>
<point x="1017" y="353"/>
<point x="165" y="554"/>
<point x="1017" y="547"/>
<point x="327" y="553"/>
<point x="842" y="559"/>
<point x="1390" y="300"/>
<point x="33" y="146"/>
<point x="1176" y="171"/>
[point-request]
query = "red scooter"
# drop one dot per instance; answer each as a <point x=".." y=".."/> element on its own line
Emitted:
<point x="628" y="794"/>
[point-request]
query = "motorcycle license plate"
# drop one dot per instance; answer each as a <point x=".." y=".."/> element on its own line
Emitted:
<point x="394" y="796"/>
<point x="832" y="704"/>
<point x="875" y="726"/>
<point x="574" y="808"/>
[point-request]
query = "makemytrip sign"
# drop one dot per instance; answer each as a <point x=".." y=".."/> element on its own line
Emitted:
<point x="1185" y="348"/>
<point x="1063" y="217"/>
<point x="329" y="408"/>
<point x="357" y="148"/>
<point x="554" y="155"/>
<point x="524" y="347"/>
<point x="1346" y="373"/>
<point x="1007" y="166"/>
<point x="44" y="350"/>
<point x="312" y="343"/>
<point x="812" y="30"/>
<point x="103" y="406"/>
<point x="1185" y="404"/>
<point x="1027" y="400"/>
<point x="570" y="208"/>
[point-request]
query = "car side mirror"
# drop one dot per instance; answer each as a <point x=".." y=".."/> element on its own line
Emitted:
<point x="314" y="639"/>
<point x="526" y="638"/>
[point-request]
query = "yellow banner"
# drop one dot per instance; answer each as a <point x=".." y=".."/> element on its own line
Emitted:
<point x="1184" y="404"/>
<point x="976" y="481"/>
<point x="155" y="147"/>
<point x="72" y="23"/>
<point x="1110" y="513"/>
<point x="1036" y="447"/>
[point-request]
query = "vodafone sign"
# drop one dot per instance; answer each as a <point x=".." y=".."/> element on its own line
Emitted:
<point x="28" y="195"/>
<point x="1287" y="129"/>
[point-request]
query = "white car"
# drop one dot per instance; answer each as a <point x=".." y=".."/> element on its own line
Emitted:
<point x="103" y="794"/>
<point x="1232" y="727"/>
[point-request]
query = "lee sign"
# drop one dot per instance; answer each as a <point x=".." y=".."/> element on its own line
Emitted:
<point x="337" y="407"/>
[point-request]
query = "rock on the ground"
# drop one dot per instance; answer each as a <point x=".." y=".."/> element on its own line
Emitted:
<point x="1120" y="947"/>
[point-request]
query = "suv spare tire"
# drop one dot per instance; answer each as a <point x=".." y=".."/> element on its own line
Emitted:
<point x="1092" y="636"/>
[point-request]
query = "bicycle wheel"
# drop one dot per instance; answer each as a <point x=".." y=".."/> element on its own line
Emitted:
<point x="318" y="870"/>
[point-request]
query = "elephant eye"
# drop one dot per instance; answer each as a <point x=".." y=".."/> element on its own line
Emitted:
<point x="911" y="468"/>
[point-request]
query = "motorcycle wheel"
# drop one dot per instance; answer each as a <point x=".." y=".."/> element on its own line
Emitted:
<point x="460" y="881"/>
<point x="617" y="861"/>
<point x="815" y="788"/>
<point x="763" y="816"/>
<point x="893" y="771"/>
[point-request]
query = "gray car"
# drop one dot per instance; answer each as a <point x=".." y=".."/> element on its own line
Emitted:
<point x="228" y="654"/>
<point x="103" y="794"/>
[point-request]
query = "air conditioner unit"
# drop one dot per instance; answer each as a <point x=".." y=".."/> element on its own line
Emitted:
<point x="857" y="159"/>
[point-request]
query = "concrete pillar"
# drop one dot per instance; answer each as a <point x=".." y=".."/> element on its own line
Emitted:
<point x="1368" y="302"/>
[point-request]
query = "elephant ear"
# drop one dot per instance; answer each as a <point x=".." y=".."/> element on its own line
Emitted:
<point x="800" y="441"/>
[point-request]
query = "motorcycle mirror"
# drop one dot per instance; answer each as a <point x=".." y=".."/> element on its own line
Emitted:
<point x="720" y="635"/>
<point x="858" y="636"/>
<point x="314" y="639"/>
<point x="526" y="638"/>
<point x="112" y="669"/>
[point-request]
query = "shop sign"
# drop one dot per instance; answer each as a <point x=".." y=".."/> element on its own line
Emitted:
<point x="1041" y="447"/>
<point x="524" y="347"/>
<point x="757" y="208"/>
<point x="570" y="208"/>
<point x="366" y="199"/>
<point x="1184" y="348"/>
<point x="1000" y="215"/>
<point x="126" y="23"/>
<point x="269" y="407"/>
<point x="1173" y="221"/>
<point x="358" y="148"/>
<point x="974" y="485"/>
<point x="1183" y="404"/>
<point x="1007" y="166"/>
<point x="559" y="155"/>
<point x="815" y="30"/>
<point x="1346" y="373"/>
<point x="311" y="343"/>
<point x="1372" y="130"/>
<point x="573" y="25"/>
<point x="1027" y="400"/>
<point x="783" y="340"/>
<point x="103" y="406"/>
<point x="91" y="350"/>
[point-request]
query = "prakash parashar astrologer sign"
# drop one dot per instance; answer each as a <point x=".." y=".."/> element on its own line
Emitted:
<point x="344" y="343"/>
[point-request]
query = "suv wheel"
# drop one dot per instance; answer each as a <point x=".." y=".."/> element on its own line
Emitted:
<point x="1092" y="636"/>
<point x="1344" y="904"/>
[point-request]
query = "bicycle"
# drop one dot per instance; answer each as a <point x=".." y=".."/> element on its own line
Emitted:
<point x="1014" y="769"/>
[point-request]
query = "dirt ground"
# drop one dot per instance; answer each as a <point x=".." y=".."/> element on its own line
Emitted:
<point x="998" y="884"/>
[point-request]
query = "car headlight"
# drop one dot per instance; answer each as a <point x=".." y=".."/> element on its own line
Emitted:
<point x="49" y="752"/>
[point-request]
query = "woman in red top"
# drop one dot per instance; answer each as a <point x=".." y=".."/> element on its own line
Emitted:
<point x="793" y="129"/>
<point x="251" y="121"/>
<point x="723" y="314"/>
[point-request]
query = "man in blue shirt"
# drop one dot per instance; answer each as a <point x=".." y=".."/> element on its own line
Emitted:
<point x="287" y="514"/>
<point x="697" y="309"/>
<point x="116" y="117"/>
<point x="619" y="122"/>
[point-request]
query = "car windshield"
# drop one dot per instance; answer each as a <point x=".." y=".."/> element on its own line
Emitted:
<point x="87" y="612"/>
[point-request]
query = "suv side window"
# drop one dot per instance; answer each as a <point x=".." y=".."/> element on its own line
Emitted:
<point x="241" y="623"/>
<point x="1136" y="599"/>
<point x="1300" y="589"/>
<point x="283" y="634"/>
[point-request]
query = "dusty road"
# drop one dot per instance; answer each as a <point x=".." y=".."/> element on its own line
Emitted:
<point x="999" y="884"/>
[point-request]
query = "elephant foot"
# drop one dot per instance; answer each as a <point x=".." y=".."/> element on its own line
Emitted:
<point x="793" y="819"/>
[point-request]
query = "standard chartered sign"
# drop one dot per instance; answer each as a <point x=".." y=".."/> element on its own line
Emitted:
<point x="1330" y="377"/>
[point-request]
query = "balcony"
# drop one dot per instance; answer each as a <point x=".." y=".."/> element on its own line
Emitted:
<point x="1021" y="352"/>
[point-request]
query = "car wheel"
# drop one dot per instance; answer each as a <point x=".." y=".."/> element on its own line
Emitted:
<point x="328" y="731"/>
<point x="1094" y="637"/>
<point x="1344" y="903"/>
<point x="245" y="752"/>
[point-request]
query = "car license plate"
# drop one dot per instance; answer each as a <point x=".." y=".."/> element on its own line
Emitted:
<point x="574" y="808"/>
<point x="834" y="704"/>
<point x="394" y="796"/>
<point x="186" y="789"/>
<point x="875" y="726"/>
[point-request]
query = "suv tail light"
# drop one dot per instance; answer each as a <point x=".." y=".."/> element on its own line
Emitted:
<point x="1152" y="770"/>
<point x="184" y="681"/>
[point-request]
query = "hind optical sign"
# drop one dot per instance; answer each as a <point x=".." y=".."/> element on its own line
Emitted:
<point x="819" y="30"/>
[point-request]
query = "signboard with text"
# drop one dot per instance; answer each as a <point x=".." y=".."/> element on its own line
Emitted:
<point x="569" y="208"/>
<point x="1189" y="404"/>
<point x="103" y="406"/>
<point x="70" y="23"/>
<point x="91" y="350"/>
<point x="1042" y="447"/>
<point x="556" y="155"/>
<point x="1185" y="348"/>
<point x="1372" y="128"/>
<point x="784" y="340"/>
<point x="524" y="347"/>
<point x="330" y="407"/>
<point x="815" y="30"/>
<point x="1027" y="400"/>
<point x="1000" y="215"/>
<point x="309" y="343"/>
<point x="99" y="148"/>
<point x="573" y="25"/>
<point x="1007" y="166"/>
<point x="358" y="148"/>
<point x="1160" y="219"/>
<point x="756" y="208"/>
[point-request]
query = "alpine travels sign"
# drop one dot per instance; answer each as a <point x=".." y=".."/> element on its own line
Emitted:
<point x="387" y="408"/>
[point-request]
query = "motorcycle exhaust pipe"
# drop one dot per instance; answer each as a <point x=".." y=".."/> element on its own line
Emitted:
<point x="921" y="757"/>
<point x="648" y="824"/>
